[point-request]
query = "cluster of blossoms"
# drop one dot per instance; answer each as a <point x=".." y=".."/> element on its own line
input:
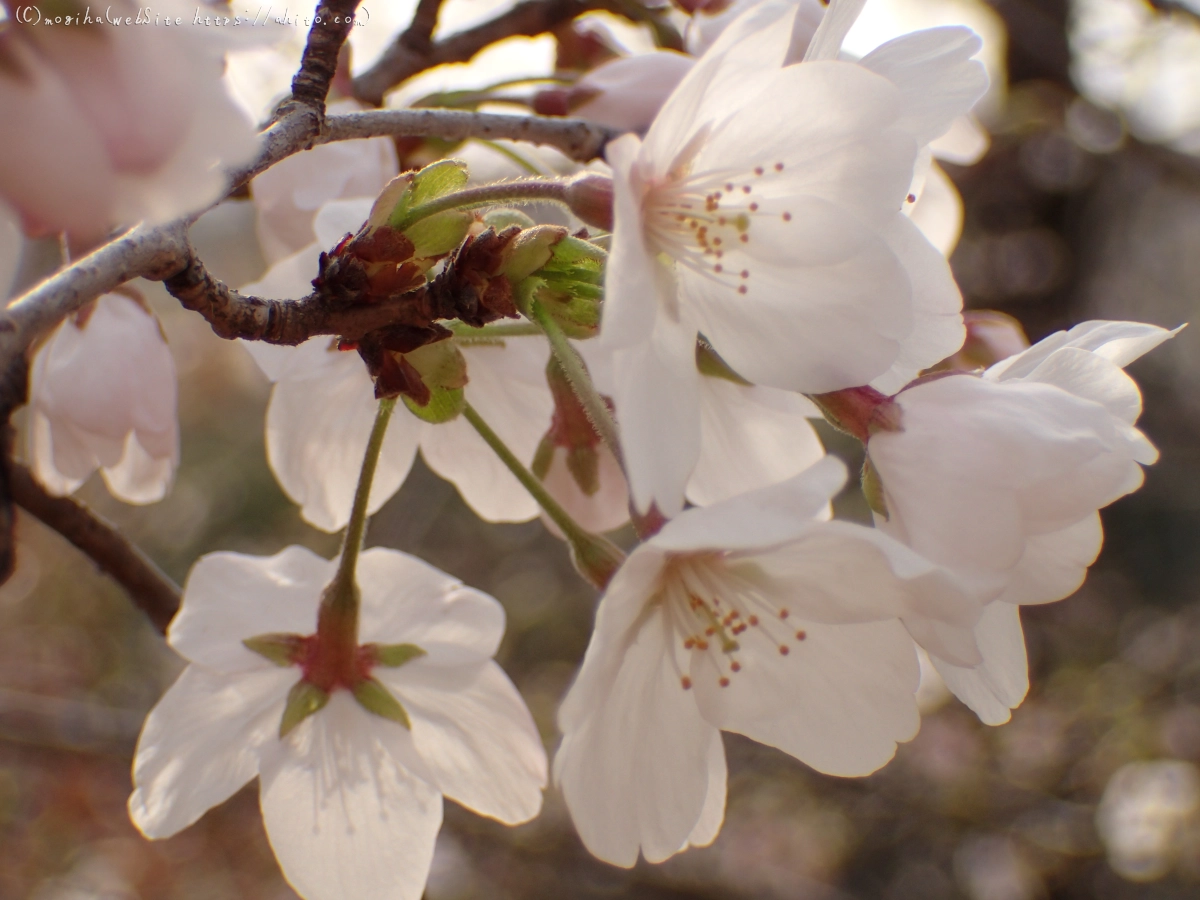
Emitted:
<point x="766" y="266"/>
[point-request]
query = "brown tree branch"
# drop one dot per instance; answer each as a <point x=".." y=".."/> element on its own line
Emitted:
<point x="331" y="26"/>
<point x="402" y="59"/>
<point x="153" y="592"/>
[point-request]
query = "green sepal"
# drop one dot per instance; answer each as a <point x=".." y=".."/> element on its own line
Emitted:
<point x="709" y="362"/>
<point x="445" y="405"/>
<point x="282" y="649"/>
<point x="378" y="700"/>
<point x="542" y="458"/>
<point x="395" y="655"/>
<point x="584" y="466"/>
<point x="532" y="249"/>
<point x="438" y="234"/>
<point x="872" y="488"/>
<point x="435" y="180"/>
<point x="303" y="700"/>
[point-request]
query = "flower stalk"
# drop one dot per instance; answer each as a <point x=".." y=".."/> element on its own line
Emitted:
<point x="596" y="558"/>
<point x="487" y="195"/>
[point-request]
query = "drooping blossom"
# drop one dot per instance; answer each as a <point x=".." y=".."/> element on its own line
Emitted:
<point x="103" y="395"/>
<point x="351" y="800"/>
<point x="751" y="616"/>
<point x="776" y="193"/>
<point x="323" y="405"/>
<point x="111" y="125"/>
<point x="999" y="477"/>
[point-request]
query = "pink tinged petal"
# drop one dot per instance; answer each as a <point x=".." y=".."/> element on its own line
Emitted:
<point x="508" y="389"/>
<point x="605" y="510"/>
<point x="1054" y="565"/>
<point x="629" y="91"/>
<point x="936" y="74"/>
<point x="938" y="329"/>
<point x="229" y="597"/>
<point x="634" y="286"/>
<point x="475" y="735"/>
<point x="840" y="700"/>
<point x="140" y="477"/>
<point x="712" y="814"/>
<point x="408" y="601"/>
<point x="344" y="815"/>
<point x="319" y="420"/>
<point x="103" y="394"/>
<point x="836" y="24"/>
<point x="635" y="770"/>
<point x="764" y="518"/>
<point x="1119" y="342"/>
<point x="1000" y="682"/>
<point x="200" y="744"/>
<point x="657" y="406"/>
<point x="938" y="212"/>
<point x="750" y="437"/>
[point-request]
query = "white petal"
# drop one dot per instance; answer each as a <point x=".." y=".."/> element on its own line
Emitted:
<point x="938" y="212"/>
<point x="762" y="518"/>
<point x="1000" y="682"/>
<point x="53" y="448"/>
<point x="1091" y="376"/>
<point x="826" y="306"/>
<point x="836" y="24"/>
<point x="657" y="407"/>
<point x="964" y="144"/>
<point x="1054" y="565"/>
<point x="750" y="437"/>
<point x="318" y="423"/>
<point x="407" y="601"/>
<point x="1119" y="342"/>
<point x="937" y="330"/>
<point x="229" y="597"/>
<point x="635" y="770"/>
<point x="840" y="700"/>
<point x="633" y="280"/>
<point x="200" y="744"/>
<point x="343" y="814"/>
<point x="337" y="218"/>
<point x="508" y="389"/>
<point x="934" y="70"/>
<point x="476" y="736"/>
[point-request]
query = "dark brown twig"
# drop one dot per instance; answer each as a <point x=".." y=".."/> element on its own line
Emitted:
<point x="152" y="591"/>
<point x="331" y="26"/>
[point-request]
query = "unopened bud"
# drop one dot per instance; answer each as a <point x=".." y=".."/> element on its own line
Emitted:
<point x="570" y="286"/>
<point x="443" y="372"/>
<point x="590" y="197"/>
<point x="505" y="217"/>
<point x="531" y="250"/>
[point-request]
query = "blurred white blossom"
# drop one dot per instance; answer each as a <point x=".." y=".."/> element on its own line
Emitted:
<point x="1144" y="814"/>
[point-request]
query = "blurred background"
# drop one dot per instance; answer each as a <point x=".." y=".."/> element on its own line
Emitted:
<point x="1086" y="205"/>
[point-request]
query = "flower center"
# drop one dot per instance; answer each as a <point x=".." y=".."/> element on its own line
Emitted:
<point x="705" y="221"/>
<point x="717" y="611"/>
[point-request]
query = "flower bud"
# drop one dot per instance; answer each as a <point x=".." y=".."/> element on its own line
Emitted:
<point x="860" y="411"/>
<point x="590" y="197"/>
<point x="570" y="286"/>
<point x="505" y="217"/>
<point x="443" y="373"/>
<point x="531" y="250"/>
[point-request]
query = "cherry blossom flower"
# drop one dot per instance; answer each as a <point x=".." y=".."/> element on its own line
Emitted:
<point x="749" y="616"/>
<point x="323" y="404"/>
<point x="103" y="396"/>
<point x="783" y="224"/>
<point x="108" y="126"/>
<point x="352" y="801"/>
<point x="1000" y="478"/>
